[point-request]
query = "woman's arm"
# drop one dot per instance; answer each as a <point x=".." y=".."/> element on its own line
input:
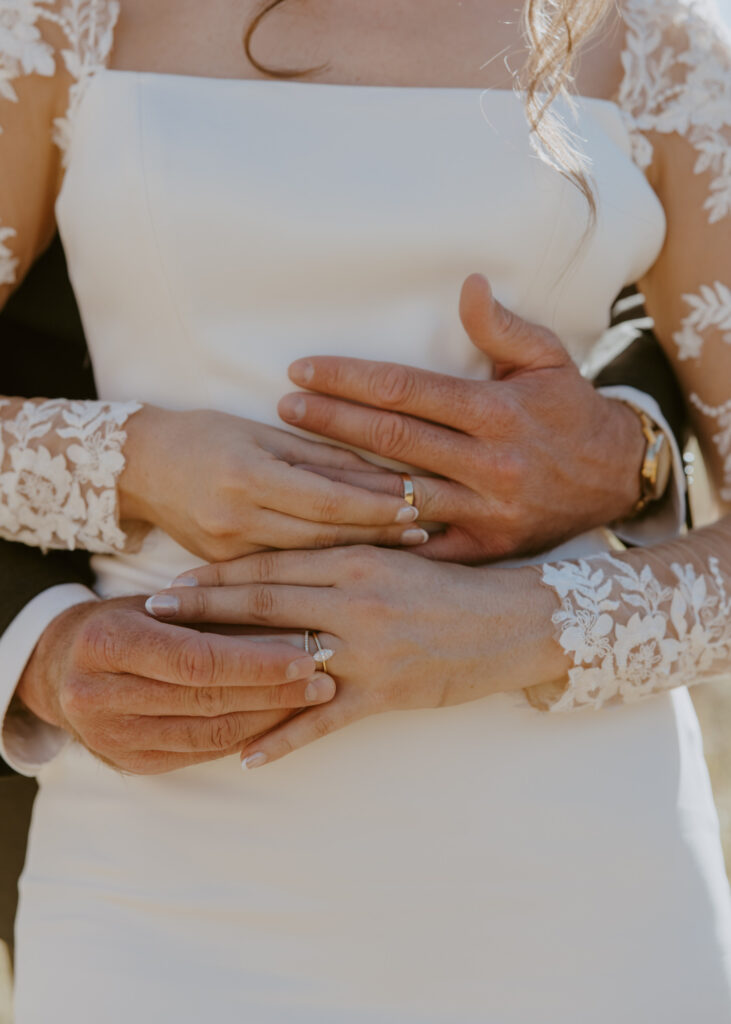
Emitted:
<point x="407" y="633"/>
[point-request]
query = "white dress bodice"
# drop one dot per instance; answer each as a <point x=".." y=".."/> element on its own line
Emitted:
<point x="217" y="230"/>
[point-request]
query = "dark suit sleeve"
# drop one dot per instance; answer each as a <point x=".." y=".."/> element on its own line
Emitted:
<point x="43" y="355"/>
<point x="644" y="365"/>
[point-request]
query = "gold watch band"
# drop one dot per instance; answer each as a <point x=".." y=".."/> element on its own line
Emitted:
<point x="655" y="469"/>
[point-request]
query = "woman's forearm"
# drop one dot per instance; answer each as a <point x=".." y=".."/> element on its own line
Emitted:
<point x="59" y="465"/>
<point x="635" y="623"/>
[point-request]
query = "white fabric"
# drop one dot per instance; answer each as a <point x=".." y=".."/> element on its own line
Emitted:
<point x="482" y="863"/>
<point x="27" y="745"/>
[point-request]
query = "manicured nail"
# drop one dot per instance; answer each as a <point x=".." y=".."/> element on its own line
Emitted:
<point x="292" y="408"/>
<point x="301" y="371"/>
<point x="162" y="604"/>
<point x="407" y="514"/>
<point x="253" y="761"/>
<point x="300" y="668"/>
<point x="319" y="689"/>
<point x="184" y="581"/>
<point x="412" y="537"/>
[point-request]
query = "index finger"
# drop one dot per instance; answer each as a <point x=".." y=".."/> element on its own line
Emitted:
<point x="143" y="646"/>
<point x="452" y="401"/>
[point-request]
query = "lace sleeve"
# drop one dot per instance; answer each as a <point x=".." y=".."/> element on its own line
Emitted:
<point x="59" y="461"/>
<point x="643" y="621"/>
<point x="676" y="98"/>
<point x="648" y="620"/>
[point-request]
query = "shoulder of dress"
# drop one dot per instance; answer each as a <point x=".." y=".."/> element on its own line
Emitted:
<point x="40" y="36"/>
<point x="676" y="78"/>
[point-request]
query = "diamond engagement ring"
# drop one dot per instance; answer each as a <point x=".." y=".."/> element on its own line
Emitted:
<point x="323" y="654"/>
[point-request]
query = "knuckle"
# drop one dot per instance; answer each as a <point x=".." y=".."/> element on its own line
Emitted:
<point x="254" y="665"/>
<point x="504" y="417"/>
<point x="206" y="701"/>
<point x="326" y="537"/>
<point x="261" y="603"/>
<point x="509" y="476"/>
<point x="194" y="661"/>
<point x="99" y="642"/>
<point x="77" y="697"/>
<point x="390" y="435"/>
<point x="361" y="561"/>
<point x="328" y="507"/>
<point x="266" y="566"/>
<point x="223" y="732"/>
<point x="393" y="386"/>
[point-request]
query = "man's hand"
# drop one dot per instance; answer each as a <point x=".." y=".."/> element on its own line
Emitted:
<point x="148" y="697"/>
<point x="525" y="461"/>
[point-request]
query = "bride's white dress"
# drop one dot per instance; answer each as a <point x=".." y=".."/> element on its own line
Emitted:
<point x="482" y="864"/>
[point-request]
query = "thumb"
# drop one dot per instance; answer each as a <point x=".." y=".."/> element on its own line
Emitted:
<point x="512" y="343"/>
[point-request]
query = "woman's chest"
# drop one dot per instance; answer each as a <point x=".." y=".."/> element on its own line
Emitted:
<point x="214" y="223"/>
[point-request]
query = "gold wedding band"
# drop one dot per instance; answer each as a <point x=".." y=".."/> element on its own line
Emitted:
<point x="408" y="488"/>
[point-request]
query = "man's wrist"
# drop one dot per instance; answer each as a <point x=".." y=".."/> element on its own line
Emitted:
<point x="36" y="693"/>
<point x="624" y="437"/>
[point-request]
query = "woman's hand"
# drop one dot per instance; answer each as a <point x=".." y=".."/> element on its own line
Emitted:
<point x="405" y="632"/>
<point x="223" y="486"/>
<point x="523" y="462"/>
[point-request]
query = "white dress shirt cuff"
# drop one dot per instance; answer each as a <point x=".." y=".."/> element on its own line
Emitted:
<point x="26" y="742"/>
<point x="664" y="519"/>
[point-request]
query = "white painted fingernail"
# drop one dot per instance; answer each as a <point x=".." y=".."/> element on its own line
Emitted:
<point x="319" y="689"/>
<point x="184" y="581"/>
<point x="412" y="537"/>
<point x="253" y="761"/>
<point x="162" y="604"/>
<point x="302" y="371"/>
<point x="407" y="514"/>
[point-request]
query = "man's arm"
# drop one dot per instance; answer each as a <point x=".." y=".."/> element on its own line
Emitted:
<point x="44" y="354"/>
<point x="515" y="465"/>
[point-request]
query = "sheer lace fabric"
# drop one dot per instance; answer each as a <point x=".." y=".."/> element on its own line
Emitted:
<point x="676" y="100"/>
<point x="643" y="622"/>
<point x="58" y="466"/>
<point x="640" y="622"/>
<point x="59" y="461"/>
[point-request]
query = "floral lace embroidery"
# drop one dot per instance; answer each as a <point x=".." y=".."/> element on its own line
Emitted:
<point x="89" y="27"/>
<point x="710" y="308"/>
<point x="722" y="440"/>
<point x="630" y="636"/>
<point x="676" y="80"/>
<point x="65" y="499"/>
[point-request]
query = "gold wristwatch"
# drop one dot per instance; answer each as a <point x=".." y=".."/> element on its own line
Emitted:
<point x="656" y="464"/>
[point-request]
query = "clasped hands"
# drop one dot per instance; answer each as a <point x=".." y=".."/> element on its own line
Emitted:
<point x="522" y="461"/>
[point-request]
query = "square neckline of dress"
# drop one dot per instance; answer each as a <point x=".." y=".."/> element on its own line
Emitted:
<point x="368" y="87"/>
